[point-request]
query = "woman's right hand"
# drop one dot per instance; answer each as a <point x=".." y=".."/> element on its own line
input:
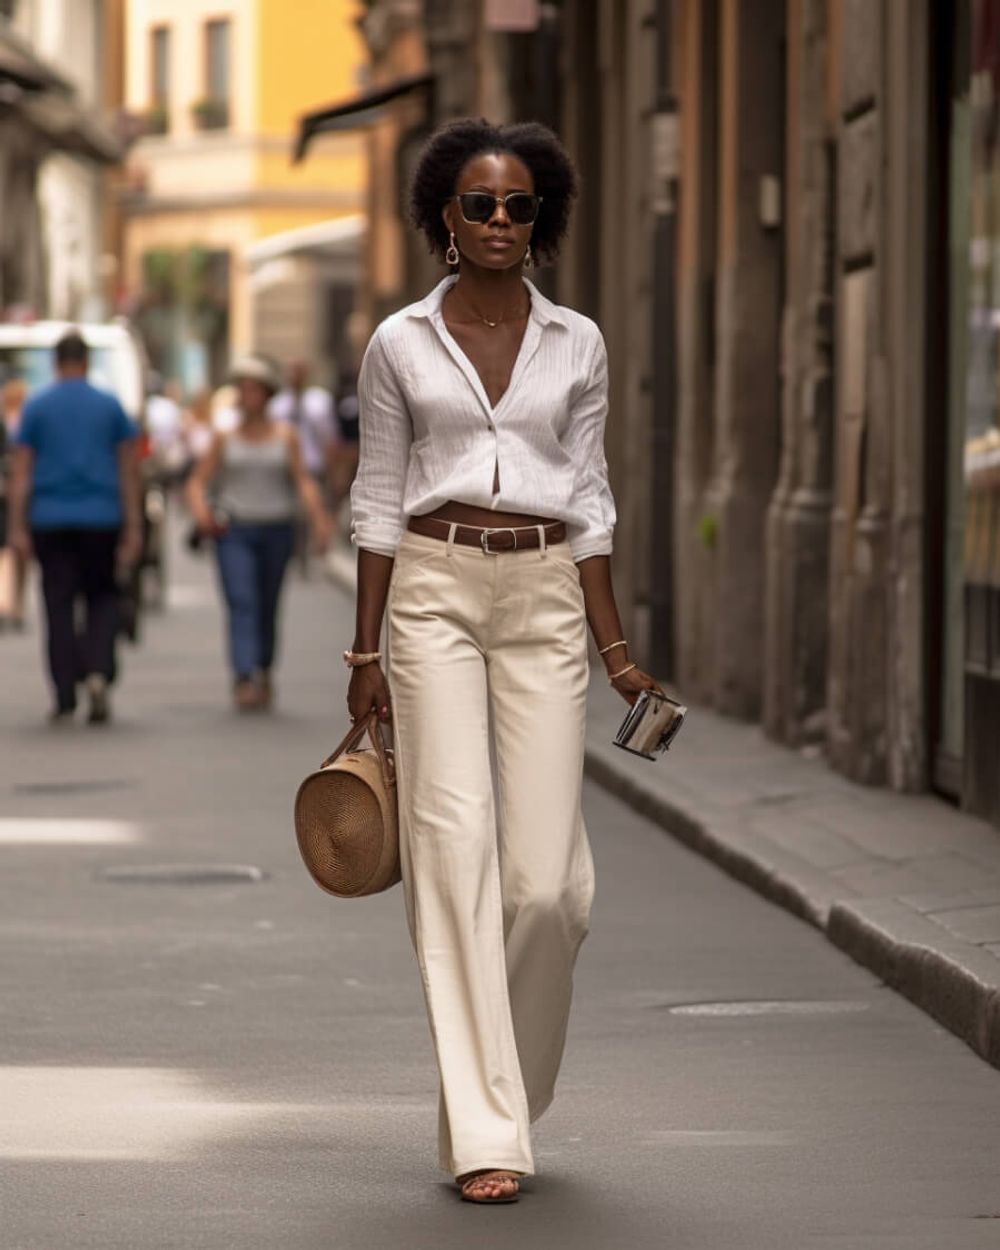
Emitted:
<point x="207" y="524"/>
<point x="368" y="691"/>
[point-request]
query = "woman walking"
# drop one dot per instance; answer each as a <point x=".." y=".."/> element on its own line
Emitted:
<point x="483" y="518"/>
<point x="257" y="481"/>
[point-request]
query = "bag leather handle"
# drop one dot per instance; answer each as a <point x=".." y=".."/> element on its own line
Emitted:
<point x="369" y="725"/>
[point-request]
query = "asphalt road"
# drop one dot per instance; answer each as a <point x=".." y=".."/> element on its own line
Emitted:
<point x="202" y="1065"/>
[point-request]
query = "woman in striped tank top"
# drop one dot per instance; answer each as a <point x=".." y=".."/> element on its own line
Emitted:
<point x="257" y="483"/>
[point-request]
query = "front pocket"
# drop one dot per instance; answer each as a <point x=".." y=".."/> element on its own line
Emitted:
<point x="412" y="562"/>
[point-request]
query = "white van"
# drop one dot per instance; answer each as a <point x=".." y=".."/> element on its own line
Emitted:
<point x="116" y="359"/>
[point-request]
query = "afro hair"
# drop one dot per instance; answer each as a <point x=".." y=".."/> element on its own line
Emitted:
<point x="450" y="149"/>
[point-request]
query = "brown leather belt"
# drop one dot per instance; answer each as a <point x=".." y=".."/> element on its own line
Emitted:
<point x="490" y="540"/>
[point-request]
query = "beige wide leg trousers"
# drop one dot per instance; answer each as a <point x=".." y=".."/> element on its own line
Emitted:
<point x="491" y="650"/>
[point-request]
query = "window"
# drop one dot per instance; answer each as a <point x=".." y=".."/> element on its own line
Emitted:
<point x="160" y="65"/>
<point x="212" y="112"/>
<point x="158" y="113"/>
<point x="217" y="60"/>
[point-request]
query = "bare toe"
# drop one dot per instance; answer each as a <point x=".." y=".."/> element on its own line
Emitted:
<point x="489" y="1186"/>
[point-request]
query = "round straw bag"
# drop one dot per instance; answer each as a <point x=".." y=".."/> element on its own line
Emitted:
<point x="345" y="817"/>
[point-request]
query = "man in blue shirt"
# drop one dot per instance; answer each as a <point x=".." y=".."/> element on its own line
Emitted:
<point x="75" y="501"/>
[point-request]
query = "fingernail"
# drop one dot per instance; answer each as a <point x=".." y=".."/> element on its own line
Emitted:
<point x="385" y="710"/>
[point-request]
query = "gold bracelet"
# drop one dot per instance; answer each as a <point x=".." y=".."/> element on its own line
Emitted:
<point x="356" y="659"/>
<point x="621" y="673"/>
<point x="611" y="646"/>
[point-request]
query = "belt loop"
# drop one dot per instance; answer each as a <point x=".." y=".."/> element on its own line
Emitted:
<point x="541" y="540"/>
<point x="452" y="530"/>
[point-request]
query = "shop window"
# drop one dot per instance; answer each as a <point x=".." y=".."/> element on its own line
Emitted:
<point x="158" y="113"/>
<point x="212" y="112"/>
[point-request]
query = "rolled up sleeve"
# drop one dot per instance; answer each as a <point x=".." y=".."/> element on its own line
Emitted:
<point x="386" y="433"/>
<point x="585" y="444"/>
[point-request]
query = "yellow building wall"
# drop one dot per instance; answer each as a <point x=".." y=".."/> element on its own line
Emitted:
<point x="310" y="53"/>
<point x="289" y="57"/>
<point x="316" y="58"/>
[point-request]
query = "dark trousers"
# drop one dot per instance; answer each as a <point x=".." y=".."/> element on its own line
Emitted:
<point x="252" y="563"/>
<point x="78" y="564"/>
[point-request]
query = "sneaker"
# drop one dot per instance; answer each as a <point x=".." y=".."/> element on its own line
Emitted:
<point x="97" y="690"/>
<point x="61" y="715"/>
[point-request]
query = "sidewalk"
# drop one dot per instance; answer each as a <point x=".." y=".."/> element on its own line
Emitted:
<point x="907" y="886"/>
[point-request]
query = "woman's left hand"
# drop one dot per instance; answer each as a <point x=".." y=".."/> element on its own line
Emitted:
<point x="630" y="684"/>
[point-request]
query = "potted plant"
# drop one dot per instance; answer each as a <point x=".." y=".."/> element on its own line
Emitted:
<point x="210" y="114"/>
<point x="156" y="120"/>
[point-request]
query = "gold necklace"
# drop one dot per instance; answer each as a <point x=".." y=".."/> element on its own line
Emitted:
<point x="486" y="320"/>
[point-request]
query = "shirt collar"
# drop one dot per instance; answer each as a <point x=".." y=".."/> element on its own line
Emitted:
<point x="543" y="310"/>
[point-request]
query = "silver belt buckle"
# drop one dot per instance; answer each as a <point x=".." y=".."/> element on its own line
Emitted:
<point x="484" y="540"/>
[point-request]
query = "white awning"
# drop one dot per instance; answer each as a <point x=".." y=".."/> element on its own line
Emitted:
<point x="340" y="237"/>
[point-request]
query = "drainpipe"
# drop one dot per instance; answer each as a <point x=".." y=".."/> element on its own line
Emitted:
<point x="664" y="164"/>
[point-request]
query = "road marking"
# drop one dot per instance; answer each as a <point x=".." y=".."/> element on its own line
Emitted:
<point x="17" y="831"/>
<point x="764" y="1007"/>
<point x="720" y="1137"/>
<point x="184" y="874"/>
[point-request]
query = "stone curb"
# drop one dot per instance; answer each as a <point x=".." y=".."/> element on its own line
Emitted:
<point x="951" y="980"/>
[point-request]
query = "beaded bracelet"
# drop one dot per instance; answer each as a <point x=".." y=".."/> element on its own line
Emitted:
<point x="356" y="659"/>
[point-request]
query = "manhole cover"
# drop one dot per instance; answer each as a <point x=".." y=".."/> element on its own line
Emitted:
<point x="97" y="785"/>
<point x="765" y="1007"/>
<point x="184" y="874"/>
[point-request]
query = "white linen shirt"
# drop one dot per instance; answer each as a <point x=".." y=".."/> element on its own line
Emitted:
<point x="429" y="433"/>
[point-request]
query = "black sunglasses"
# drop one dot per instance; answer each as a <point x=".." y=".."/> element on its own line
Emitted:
<point x="478" y="206"/>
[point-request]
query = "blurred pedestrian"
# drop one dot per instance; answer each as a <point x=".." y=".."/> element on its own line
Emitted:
<point x="198" y="434"/>
<point x="13" y="567"/>
<point x="75" y="501"/>
<point x="225" y="411"/>
<point x="164" y="427"/>
<point x="343" y="457"/>
<point x="309" y="409"/>
<point x="482" y="492"/>
<point x="245" y="493"/>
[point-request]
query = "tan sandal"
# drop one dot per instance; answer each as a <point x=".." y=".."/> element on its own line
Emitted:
<point x="468" y="1183"/>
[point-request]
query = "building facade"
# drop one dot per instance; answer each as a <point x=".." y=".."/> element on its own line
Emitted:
<point x="832" y="428"/>
<point x="57" y="143"/>
<point x="788" y="232"/>
<point x="219" y="88"/>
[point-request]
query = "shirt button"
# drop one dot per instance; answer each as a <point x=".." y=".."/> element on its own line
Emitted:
<point x="489" y="425"/>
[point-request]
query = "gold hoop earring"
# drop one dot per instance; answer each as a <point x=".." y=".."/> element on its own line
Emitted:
<point x="452" y="256"/>
<point x="529" y="260"/>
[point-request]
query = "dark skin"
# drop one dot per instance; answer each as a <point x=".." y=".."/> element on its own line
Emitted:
<point x="489" y="286"/>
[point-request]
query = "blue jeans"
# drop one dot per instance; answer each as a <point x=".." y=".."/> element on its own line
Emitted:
<point x="252" y="561"/>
